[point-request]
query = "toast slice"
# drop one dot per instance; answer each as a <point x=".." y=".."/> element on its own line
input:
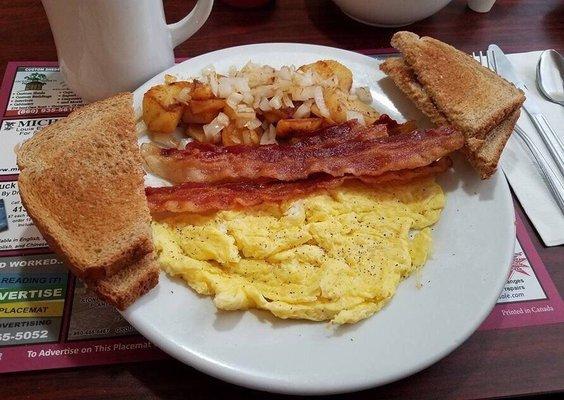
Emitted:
<point x="81" y="182"/>
<point x="473" y="98"/>
<point x="125" y="286"/>
<point x="482" y="148"/>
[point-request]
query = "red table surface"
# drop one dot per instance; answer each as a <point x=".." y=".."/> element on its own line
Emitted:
<point x="495" y="363"/>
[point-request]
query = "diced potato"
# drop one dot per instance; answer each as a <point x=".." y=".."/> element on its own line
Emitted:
<point x="339" y="103"/>
<point x="328" y="68"/>
<point x="201" y="91"/>
<point x="196" y="132"/>
<point x="205" y="106"/>
<point x="161" y="108"/>
<point x="304" y="126"/>
<point x="274" y="116"/>
<point x="231" y="136"/>
<point x="188" y="117"/>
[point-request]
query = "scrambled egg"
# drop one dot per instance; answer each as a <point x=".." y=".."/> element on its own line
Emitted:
<point x="336" y="256"/>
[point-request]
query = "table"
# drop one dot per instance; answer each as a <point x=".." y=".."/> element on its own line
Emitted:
<point x="494" y="363"/>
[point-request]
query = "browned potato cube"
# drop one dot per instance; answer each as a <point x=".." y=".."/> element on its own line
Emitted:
<point x="188" y="117"/>
<point x="196" y="132"/>
<point x="205" y="106"/>
<point x="161" y="108"/>
<point x="231" y="136"/>
<point x="339" y="103"/>
<point x="274" y="116"/>
<point x="201" y="91"/>
<point x="328" y="68"/>
<point x="301" y="127"/>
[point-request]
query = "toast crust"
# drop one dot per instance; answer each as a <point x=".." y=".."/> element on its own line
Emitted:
<point x="133" y="281"/>
<point x="484" y="154"/>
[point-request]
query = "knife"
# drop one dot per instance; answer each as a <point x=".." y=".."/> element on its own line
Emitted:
<point x="553" y="142"/>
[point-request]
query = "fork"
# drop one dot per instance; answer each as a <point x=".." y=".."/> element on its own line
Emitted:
<point x="548" y="173"/>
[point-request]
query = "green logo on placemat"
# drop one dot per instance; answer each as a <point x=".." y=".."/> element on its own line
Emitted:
<point x="35" y="81"/>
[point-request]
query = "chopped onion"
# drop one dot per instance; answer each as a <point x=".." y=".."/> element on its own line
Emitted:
<point x="287" y="101"/>
<point x="285" y="73"/>
<point x="214" y="84"/>
<point x="225" y="87"/>
<point x="184" y="95"/>
<point x="213" y="129"/>
<point x="264" y="104"/>
<point x="253" y="124"/>
<point x="276" y="102"/>
<point x="355" y="115"/>
<point x="184" y="142"/>
<point x="169" y="78"/>
<point x="269" y="136"/>
<point x="304" y="79"/>
<point x="263" y="91"/>
<point x="364" y="95"/>
<point x="233" y="99"/>
<point x="248" y="99"/>
<point x="320" y="102"/>
<point x="241" y="85"/>
<point x="244" y="112"/>
<point x="302" y="93"/>
<point x="303" y="110"/>
<point x="283" y="84"/>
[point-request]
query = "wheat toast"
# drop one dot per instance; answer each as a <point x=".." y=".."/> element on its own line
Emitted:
<point x="473" y="98"/>
<point x="81" y="182"/>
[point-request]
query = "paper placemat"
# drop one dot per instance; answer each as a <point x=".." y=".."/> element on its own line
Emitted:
<point x="49" y="320"/>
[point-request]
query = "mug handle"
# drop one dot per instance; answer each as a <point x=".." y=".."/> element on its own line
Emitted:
<point x="187" y="26"/>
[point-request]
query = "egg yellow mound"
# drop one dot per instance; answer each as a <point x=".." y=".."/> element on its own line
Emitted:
<point x="335" y="256"/>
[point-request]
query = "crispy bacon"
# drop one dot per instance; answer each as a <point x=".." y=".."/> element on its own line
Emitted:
<point x="350" y="130"/>
<point x="204" y="197"/>
<point x="325" y="153"/>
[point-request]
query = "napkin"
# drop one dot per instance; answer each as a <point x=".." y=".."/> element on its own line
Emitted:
<point x="519" y="166"/>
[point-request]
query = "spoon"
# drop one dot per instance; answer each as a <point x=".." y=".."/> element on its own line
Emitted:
<point x="550" y="70"/>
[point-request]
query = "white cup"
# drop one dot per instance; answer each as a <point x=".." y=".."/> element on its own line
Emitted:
<point x="481" y="6"/>
<point x="109" y="46"/>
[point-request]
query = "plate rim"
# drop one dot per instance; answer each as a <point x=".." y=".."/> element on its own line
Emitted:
<point x="257" y="382"/>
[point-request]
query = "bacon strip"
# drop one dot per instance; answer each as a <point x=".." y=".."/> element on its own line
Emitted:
<point x="203" y="197"/>
<point x="350" y="130"/>
<point x="325" y="153"/>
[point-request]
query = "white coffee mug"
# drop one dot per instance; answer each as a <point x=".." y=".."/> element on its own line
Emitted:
<point x="109" y="46"/>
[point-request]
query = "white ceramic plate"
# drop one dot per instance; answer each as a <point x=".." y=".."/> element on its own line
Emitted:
<point x="473" y="247"/>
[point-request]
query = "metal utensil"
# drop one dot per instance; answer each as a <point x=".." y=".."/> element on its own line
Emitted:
<point x="550" y="76"/>
<point x="549" y="175"/>
<point x="554" y="144"/>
